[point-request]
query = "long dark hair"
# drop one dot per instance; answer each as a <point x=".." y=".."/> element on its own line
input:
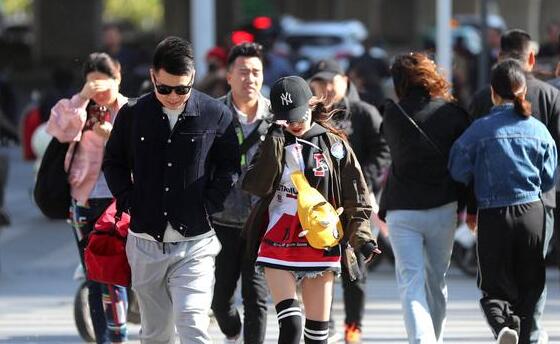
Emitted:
<point x="321" y="115"/>
<point x="509" y="82"/>
<point x="417" y="71"/>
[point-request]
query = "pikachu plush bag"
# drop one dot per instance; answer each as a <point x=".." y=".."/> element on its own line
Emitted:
<point x="319" y="220"/>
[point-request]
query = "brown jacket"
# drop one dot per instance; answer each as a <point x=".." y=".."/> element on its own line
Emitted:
<point x="344" y="185"/>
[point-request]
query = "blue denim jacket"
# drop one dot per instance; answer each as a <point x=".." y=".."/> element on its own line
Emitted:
<point x="511" y="159"/>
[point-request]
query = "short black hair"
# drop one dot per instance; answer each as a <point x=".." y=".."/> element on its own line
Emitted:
<point x="515" y="44"/>
<point x="102" y="63"/>
<point x="246" y="50"/>
<point x="174" y="55"/>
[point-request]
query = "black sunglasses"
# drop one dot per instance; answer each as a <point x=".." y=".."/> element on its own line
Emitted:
<point x="179" y="90"/>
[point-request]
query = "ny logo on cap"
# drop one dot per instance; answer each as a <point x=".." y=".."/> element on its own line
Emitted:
<point x="286" y="98"/>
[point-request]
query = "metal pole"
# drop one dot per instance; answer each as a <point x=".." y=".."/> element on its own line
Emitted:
<point x="203" y="28"/>
<point x="483" y="62"/>
<point x="443" y="36"/>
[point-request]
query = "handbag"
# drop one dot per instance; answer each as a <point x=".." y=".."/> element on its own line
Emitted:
<point x="105" y="253"/>
<point x="52" y="190"/>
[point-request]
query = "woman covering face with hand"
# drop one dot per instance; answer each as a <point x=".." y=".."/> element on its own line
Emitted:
<point x="85" y="121"/>
<point x="302" y="147"/>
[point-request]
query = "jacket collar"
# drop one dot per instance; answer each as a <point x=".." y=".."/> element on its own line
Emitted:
<point x="501" y="107"/>
<point x="315" y="130"/>
<point x="191" y="108"/>
<point x="263" y="106"/>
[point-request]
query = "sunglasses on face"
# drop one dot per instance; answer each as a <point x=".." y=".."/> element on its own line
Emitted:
<point x="179" y="90"/>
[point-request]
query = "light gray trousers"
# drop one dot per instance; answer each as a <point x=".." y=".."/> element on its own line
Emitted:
<point x="173" y="283"/>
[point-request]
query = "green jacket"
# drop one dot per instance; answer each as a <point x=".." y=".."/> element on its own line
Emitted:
<point x="344" y="185"/>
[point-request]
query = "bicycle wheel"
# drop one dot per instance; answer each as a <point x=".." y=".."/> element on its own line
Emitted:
<point x="82" y="316"/>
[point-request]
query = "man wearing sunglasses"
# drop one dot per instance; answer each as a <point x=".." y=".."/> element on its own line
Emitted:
<point x="171" y="160"/>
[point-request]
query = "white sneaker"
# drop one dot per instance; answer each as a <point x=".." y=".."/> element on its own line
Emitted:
<point x="507" y="336"/>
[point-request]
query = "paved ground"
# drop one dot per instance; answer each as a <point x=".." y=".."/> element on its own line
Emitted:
<point x="38" y="258"/>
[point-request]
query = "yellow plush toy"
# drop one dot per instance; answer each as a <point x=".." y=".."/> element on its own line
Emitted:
<point x="319" y="220"/>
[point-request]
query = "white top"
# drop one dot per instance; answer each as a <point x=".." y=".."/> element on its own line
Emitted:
<point x="244" y="118"/>
<point x="173" y="115"/>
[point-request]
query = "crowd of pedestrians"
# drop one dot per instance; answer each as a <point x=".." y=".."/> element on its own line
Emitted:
<point x="214" y="190"/>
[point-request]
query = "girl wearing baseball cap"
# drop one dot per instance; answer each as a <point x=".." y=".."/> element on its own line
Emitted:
<point x="303" y="140"/>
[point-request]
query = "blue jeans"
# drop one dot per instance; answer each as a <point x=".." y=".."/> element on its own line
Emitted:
<point x="422" y="242"/>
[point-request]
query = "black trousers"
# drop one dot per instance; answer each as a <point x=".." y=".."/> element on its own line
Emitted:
<point x="556" y="235"/>
<point x="230" y="265"/>
<point x="511" y="265"/>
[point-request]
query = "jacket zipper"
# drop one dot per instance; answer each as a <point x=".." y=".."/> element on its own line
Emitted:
<point x="355" y="183"/>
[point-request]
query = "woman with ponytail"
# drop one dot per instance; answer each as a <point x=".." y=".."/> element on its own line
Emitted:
<point x="511" y="158"/>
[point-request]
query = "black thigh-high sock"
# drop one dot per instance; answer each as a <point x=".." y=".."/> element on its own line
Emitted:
<point x="316" y="332"/>
<point x="289" y="321"/>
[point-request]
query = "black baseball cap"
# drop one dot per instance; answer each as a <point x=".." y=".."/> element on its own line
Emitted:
<point x="289" y="99"/>
<point x="326" y="70"/>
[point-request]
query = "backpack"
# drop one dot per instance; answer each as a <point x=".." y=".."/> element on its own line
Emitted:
<point x="52" y="190"/>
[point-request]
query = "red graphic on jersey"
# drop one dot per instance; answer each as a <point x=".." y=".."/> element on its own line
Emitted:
<point x="321" y="167"/>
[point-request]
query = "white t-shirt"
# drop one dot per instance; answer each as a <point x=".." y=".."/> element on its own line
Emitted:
<point x="173" y="115"/>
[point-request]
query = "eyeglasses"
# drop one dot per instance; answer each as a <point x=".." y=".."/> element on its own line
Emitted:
<point x="179" y="90"/>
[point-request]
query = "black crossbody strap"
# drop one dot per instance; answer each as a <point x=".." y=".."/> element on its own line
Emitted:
<point x="430" y="141"/>
<point x="254" y="136"/>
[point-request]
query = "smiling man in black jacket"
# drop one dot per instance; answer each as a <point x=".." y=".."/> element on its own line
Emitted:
<point x="545" y="104"/>
<point x="171" y="160"/>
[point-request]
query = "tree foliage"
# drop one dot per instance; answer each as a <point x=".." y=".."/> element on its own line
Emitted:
<point x="11" y="7"/>
<point x="144" y="14"/>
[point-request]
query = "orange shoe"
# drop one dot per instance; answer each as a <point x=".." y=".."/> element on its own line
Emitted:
<point x="352" y="334"/>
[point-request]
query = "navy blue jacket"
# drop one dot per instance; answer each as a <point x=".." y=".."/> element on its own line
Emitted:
<point x="180" y="176"/>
